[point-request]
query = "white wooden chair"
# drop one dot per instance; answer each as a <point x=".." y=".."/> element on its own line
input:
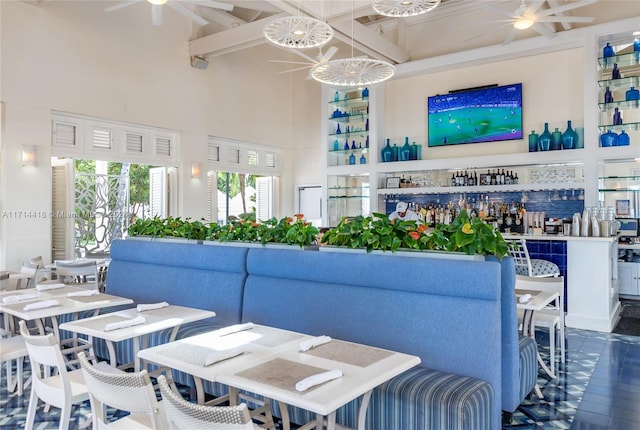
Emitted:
<point x="186" y="415"/>
<point x="61" y="388"/>
<point x="132" y="392"/>
<point x="551" y="317"/>
<point x="13" y="349"/>
<point x="527" y="266"/>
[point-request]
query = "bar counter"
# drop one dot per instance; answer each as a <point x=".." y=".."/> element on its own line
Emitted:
<point x="591" y="279"/>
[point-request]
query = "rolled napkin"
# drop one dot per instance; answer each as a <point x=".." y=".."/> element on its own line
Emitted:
<point x="525" y="298"/>
<point x="151" y="306"/>
<point x="124" y="324"/>
<point x="42" y="287"/>
<point x="318" y="379"/>
<point x="218" y="356"/>
<point x="83" y="293"/>
<point x="41" y="305"/>
<point x="19" y="298"/>
<point x="235" y="328"/>
<point x="306" y="345"/>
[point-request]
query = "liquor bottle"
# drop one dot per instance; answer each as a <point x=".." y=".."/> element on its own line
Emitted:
<point x="493" y="178"/>
<point x="503" y="177"/>
<point x="475" y="178"/>
<point x="515" y="179"/>
<point x="507" y="178"/>
<point x="453" y="180"/>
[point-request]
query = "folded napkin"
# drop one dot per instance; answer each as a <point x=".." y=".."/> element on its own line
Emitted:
<point x="42" y="287"/>
<point x="124" y="324"/>
<point x="318" y="379"/>
<point x="306" y="345"/>
<point x="235" y="328"/>
<point x="41" y="305"/>
<point x="151" y="306"/>
<point x="525" y="298"/>
<point x="19" y="298"/>
<point x="83" y="293"/>
<point x="218" y="356"/>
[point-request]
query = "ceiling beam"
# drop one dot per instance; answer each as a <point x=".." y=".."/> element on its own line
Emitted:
<point x="231" y="40"/>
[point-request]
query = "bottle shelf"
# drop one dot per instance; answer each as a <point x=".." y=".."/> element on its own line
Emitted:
<point x="618" y="190"/>
<point x="623" y="60"/>
<point x="624" y="126"/>
<point x="484" y="188"/>
<point x="356" y="118"/>
<point x="346" y="151"/>
<point x="362" y="133"/>
<point x="606" y="107"/>
<point x="353" y="101"/>
<point x="622" y="83"/>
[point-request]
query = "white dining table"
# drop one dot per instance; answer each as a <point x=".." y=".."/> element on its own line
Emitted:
<point x="171" y="316"/>
<point x="271" y="364"/>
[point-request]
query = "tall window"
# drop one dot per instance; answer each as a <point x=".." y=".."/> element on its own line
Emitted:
<point x="241" y="195"/>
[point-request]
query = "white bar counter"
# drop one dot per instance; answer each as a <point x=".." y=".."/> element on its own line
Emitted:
<point x="592" y="280"/>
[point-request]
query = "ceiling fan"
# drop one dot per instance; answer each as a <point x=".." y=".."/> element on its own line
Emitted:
<point x="320" y="59"/>
<point x="178" y="5"/>
<point x="532" y="16"/>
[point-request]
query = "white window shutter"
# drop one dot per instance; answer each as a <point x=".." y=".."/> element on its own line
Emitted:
<point x="212" y="196"/>
<point x="133" y="142"/>
<point x="158" y="191"/>
<point x="264" y="198"/>
<point x="270" y="159"/>
<point x="234" y="156"/>
<point x="61" y="225"/>
<point x="213" y="150"/>
<point x="252" y="158"/>
<point x="101" y="137"/>
<point x="65" y="134"/>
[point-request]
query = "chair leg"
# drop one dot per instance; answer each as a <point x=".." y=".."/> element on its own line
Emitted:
<point x="552" y="348"/>
<point x="562" y="342"/>
<point x="31" y="412"/>
<point x="65" y="417"/>
<point x="20" y="377"/>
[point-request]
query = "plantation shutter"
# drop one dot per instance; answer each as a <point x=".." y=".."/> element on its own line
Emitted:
<point x="61" y="224"/>
<point x="133" y="142"/>
<point x="212" y="196"/>
<point x="65" y="134"/>
<point x="264" y="198"/>
<point x="158" y="192"/>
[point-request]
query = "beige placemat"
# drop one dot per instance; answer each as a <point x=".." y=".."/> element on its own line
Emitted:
<point x="281" y="373"/>
<point x="99" y="323"/>
<point x="350" y="353"/>
<point x="95" y="298"/>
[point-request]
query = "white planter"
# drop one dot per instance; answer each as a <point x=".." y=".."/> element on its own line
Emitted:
<point x="408" y="253"/>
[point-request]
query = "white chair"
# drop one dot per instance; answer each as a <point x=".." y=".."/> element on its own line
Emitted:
<point x="551" y="317"/>
<point x="526" y="266"/>
<point x="63" y="389"/>
<point x="26" y="278"/>
<point x="132" y="392"/>
<point x="80" y="274"/>
<point x="13" y="349"/>
<point x="186" y="415"/>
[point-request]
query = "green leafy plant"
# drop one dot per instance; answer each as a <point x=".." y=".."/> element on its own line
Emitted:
<point x="377" y="232"/>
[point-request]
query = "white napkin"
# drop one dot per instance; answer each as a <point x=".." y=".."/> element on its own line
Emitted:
<point x="306" y="345"/>
<point x="42" y="287"/>
<point x="19" y="298"/>
<point x="83" y="293"/>
<point x="525" y="298"/>
<point x="41" y="305"/>
<point x="320" y="378"/>
<point x="124" y="324"/>
<point x="235" y="328"/>
<point x="151" y="306"/>
<point x="218" y="356"/>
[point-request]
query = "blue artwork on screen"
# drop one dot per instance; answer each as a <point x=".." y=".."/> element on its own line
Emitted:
<point x="482" y="115"/>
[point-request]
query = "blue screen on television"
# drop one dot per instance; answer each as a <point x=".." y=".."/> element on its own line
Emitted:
<point x="482" y="115"/>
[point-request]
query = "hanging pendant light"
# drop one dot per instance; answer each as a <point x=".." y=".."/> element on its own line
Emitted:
<point x="352" y="72"/>
<point x="404" y="8"/>
<point x="298" y="32"/>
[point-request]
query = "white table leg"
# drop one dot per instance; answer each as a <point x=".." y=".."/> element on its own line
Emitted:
<point x="362" y="411"/>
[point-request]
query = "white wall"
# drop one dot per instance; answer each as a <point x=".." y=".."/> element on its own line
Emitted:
<point x="74" y="57"/>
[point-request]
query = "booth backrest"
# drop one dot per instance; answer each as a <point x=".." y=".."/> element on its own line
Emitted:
<point x="205" y="277"/>
<point x="445" y="311"/>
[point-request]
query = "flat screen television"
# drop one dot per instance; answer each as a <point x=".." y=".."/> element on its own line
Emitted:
<point x="477" y="115"/>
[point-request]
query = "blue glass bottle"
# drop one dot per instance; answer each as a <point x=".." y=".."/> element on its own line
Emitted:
<point x="632" y="94"/>
<point x="394" y="152"/>
<point x="353" y="144"/>
<point x="556" y="140"/>
<point x="363" y="159"/>
<point x="336" y="145"/>
<point x="365" y="93"/>
<point x="636" y="48"/>
<point x="338" y="131"/>
<point x="352" y="158"/>
<point x="336" y="97"/>
<point x="346" y="144"/>
<point x="569" y="137"/>
<point x="623" y="139"/>
<point x="387" y="153"/>
<point x="405" y="151"/>
<point x="414" y="151"/>
<point x="608" y="139"/>
<point x="617" y="117"/>
<point x="615" y="73"/>
<point x="608" y="53"/>
<point x="544" y="140"/>
<point x="608" y="96"/>
<point x="366" y="144"/>
<point x="533" y="141"/>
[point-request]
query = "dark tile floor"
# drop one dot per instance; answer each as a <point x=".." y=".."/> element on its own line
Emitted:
<point x="597" y="388"/>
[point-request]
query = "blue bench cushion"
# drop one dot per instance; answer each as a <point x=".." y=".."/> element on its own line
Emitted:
<point x="529" y="365"/>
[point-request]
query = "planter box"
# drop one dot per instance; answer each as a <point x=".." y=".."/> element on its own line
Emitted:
<point x="408" y="253"/>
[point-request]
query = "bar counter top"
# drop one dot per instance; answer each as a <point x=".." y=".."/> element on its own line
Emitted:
<point x="560" y="237"/>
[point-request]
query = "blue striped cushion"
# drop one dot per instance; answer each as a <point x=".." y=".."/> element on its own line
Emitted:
<point x="418" y="399"/>
<point x="528" y="365"/>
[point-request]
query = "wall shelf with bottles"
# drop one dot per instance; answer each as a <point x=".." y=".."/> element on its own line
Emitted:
<point x="348" y="128"/>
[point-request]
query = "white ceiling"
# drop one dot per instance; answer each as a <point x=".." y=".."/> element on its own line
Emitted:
<point x="455" y="25"/>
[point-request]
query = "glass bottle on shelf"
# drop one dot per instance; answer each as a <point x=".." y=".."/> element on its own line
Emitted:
<point x="338" y="131"/>
<point x="569" y="137"/>
<point x="608" y="96"/>
<point x="405" y="151"/>
<point x="615" y="73"/>
<point x="608" y="52"/>
<point x="608" y="139"/>
<point x="353" y="144"/>
<point x="556" y="140"/>
<point x="336" y="145"/>
<point x="387" y="153"/>
<point x="636" y="48"/>
<point x="617" y="117"/>
<point x="533" y="141"/>
<point x="346" y="144"/>
<point x="623" y="139"/>
<point x="352" y="158"/>
<point x="394" y="152"/>
<point x="632" y="94"/>
<point x="365" y="93"/>
<point x="544" y="140"/>
<point x="336" y="96"/>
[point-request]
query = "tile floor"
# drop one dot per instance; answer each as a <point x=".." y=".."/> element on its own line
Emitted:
<point x="597" y="388"/>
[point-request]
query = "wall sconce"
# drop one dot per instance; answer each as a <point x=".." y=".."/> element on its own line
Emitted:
<point x="196" y="170"/>
<point x="29" y="155"/>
